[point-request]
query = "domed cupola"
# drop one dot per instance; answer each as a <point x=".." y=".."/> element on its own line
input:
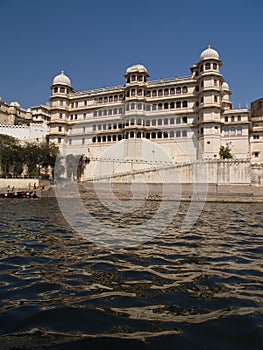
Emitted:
<point x="136" y="74"/>
<point x="137" y="68"/>
<point x="209" y="53"/>
<point x="15" y="104"/>
<point x="225" y="86"/>
<point x="61" y="79"/>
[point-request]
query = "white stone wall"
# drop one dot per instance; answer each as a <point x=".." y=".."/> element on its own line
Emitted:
<point x="23" y="132"/>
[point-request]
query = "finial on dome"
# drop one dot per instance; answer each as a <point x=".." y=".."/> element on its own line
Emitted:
<point x="209" y="46"/>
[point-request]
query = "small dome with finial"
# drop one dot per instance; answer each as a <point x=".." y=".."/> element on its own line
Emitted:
<point x="209" y="53"/>
<point x="61" y="79"/>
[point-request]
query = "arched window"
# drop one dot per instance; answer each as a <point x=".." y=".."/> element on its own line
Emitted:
<point x="140" y="106"/>
<point x="110" y="112"/>
<point x="106" y="99"/>
<point x="185" y="89"/>
<point x="119" y="137"/>
<point x="104" y="138"/>
<point x="208" y="66"/>
<point x="128" y="93"/>
<point x="99" y="138"/>
<point x="165" y="122"/>
<point x="166" y="92"/>
<point x="160" y="122"/>
<point x="62" y="89"/>
<point x="115" y="98"/>
<point x="178" y="104"/>
<point x="154" y="93"/>
<point x="171" y="120"/>
<point x="165" y="135"/>
<point x="133" y="92"/>
<point x="148" y="135"/>
<point x="185" y="120"/>
<point x="140" y="92"/>
<point x="133" y="77"/>
<point x="108" y="138"/>
<point x="139" y="135"/>
<point x="93" y="139"/>
<point x="147" y="123"/>
<point x="178" y="133"/>
<point x="171" y="105"/>
<point x="153" y="122"/>
<point x="148" y="93"/>
<point x="160" y="92"/>
<point x="154" y="107"/>
<point x="172" y="91"/>
<point x="239" y="130"/>
<point x="226" y="131"/>
<point x="160" y="106"/>
<point x="132" y="122"/>
<point x="55" y="89"/>
<point x="185" y="104"/>
<point x="178" y="120"/>
<point x="100" y="100"/>
<point x="159" y="135"/>
<point x="171" y="133"/>
<point x="128" y="80"/>
<point x="184" y="133"/>
<point x="178" y="90"/>
<point x="133" y="106"/>
<point x="166" y="105"/>
<point x="153" y="135"/>
<point x="214" y="66"/>
<point x="132" y="134"/>
<point x="140" y="78"/>
<point x="114" y="138"/>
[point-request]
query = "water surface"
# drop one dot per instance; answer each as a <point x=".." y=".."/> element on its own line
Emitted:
<point x="199" y="290"/>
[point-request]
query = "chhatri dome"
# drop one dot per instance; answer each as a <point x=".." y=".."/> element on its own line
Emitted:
<point x="209" y="53"/>
<point x="61" y="79"/>
<point x="15" y="104"/>
<point x="137" y="68"/>
<point x="225" y="86"/>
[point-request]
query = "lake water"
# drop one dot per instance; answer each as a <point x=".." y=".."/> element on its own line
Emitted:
<point x="202" y="289"/>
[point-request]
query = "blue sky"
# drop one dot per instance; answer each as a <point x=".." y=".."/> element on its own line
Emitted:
<point x="94" y="43"/>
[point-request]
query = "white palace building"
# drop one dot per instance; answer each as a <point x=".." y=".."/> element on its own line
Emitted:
<point x="191" y="113"/>
<point x="189" y="117"/>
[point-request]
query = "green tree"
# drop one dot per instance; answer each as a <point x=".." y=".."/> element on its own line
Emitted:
<point x="225" y="152"/>
<point x="11" y="157"/>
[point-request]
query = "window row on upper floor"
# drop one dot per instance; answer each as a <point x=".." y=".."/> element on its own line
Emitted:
<point x="61" y="89"/>
<point x="232" y="118"/>
<point x="207" y="66"/>
<point x="232" y="131"/>
<point x="140" y="134"/>
<point x="157" y="92"/>
<point x="140" y="107"/>
<point x="140" y="122"/>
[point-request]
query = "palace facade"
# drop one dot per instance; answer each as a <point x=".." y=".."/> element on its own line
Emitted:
<point x="190" y="117"/>
<point x="191" y="114"/>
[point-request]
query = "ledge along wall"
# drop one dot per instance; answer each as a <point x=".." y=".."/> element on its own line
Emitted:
<point x="18" y="184"/>
<point x="214" y="177"/>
